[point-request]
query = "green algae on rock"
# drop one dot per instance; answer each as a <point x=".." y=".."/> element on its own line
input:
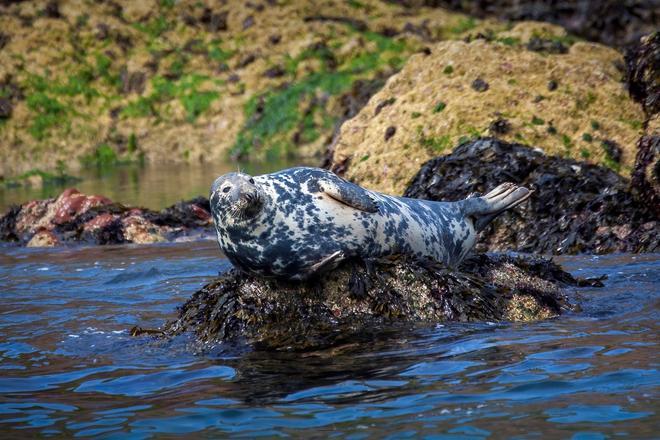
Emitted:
<point x="192" y="80"/>
<point x="360" y="297"/>
<point x="549" y="100"/>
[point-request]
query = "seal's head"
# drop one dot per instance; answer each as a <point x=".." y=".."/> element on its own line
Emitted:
<point x="235" y="198"/>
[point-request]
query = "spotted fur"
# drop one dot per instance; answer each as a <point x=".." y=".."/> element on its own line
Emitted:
<point x="299" y="221"/>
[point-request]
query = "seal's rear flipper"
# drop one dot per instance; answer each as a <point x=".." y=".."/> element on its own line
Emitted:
<point x="484" y="209"/>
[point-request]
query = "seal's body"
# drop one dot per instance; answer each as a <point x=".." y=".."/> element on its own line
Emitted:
<point x="296" y="222"/>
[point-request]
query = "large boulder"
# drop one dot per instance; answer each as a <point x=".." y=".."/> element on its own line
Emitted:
<point x="577" y="207"/>
<point x="568" y="101"/>
<point x="359" y="299"/>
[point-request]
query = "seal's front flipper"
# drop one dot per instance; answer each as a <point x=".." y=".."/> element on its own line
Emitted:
<point x="328" y="263"/>
<point x="348" y="193"/>
<point x="484" y="209"/>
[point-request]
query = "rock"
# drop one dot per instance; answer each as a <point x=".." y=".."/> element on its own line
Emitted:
<point x="588" y="104"/>
<point x="132" y="82"/>
<point x="357" y="299"/>
<point x="4" y="39"/>
<point x="74" y="217"/>
<point x="612" y="22"/>
<point x="5" y="108"/>
<point x="643" y="72"/>
<point x="43" y="238"/>
<point x="172" y="51"/>
<point x="576" y="208"/>
<point x="645" y="181"/>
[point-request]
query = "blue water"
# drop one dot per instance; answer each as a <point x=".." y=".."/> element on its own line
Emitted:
<point x="69" y="368"/>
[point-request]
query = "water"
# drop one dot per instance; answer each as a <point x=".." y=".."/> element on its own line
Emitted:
<point x="147" y="185"/>
<point x="68" y="366"/>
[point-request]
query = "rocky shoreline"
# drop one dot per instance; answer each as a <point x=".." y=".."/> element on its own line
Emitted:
<point x="577" y="207"/>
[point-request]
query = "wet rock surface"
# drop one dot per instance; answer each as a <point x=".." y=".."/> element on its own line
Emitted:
<point x="576" y="208"/>
<point x="359" y="298"/>
<point x="74" y="217"/>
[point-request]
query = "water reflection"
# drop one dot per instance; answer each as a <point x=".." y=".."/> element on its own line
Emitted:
<point x="148" y="185"/>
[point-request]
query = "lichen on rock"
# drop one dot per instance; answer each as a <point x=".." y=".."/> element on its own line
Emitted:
<point x="571" y="104"/>
<point x="358" y="298"/>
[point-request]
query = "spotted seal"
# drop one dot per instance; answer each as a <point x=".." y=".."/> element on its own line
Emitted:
<point x="299" y="221"/>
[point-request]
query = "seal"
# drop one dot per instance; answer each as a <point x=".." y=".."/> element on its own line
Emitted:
<point x="301" y="221"/>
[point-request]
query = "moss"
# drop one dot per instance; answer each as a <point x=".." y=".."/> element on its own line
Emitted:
<point x="103" y="156"/>
<point x="633" y="123"/>
<point x="508" y="41"/>
<point x="355" y="4"/>
<point x="47" y="179"/>
<point x="132" y="143"/>
<point x="185" y="89"/>
<point x="448" y="70"/>
<point x="216" y="53"/>
<point x="49" y="113"/>
<point x="271" y="116"/>
<point x="537" y="121"/>
<point x="595" y="125"/>
<point x="440" y="106"/>
<point x="155" y="27"/>
<point x="566" y="140"/>
<point x="436" y="144"/>
<point x="587" y="137"/>
<point x="464" y="25"/>
<point x="415" y="115"/>
<point x="583" y="102"/>
<point x="584" y="153"/>
<point x="610" y="163"/>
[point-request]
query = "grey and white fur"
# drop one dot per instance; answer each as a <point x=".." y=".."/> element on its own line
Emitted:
<point x="300" y="221"/>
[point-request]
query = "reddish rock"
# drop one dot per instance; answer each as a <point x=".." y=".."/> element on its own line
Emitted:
<point x="74" y="217"/>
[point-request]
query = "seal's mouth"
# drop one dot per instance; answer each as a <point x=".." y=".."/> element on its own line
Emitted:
<point x="248" y="205"/>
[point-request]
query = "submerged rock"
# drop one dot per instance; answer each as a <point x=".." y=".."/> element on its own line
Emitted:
<point x="74" y="217"/>
<point x="577" y="207"/>
<point x="357" y="299"/>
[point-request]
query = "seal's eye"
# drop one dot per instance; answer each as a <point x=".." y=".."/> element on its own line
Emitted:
<point x="225" y="189"/>
<point x="251" y="180"/>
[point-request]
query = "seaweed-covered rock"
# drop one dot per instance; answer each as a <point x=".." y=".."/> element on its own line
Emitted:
<point x="357" y="298"/>
<point x="571" y="104"/>
<point x="577" y="207"/>
<point x="73" y="217"/>
<point x="645" y="179"/>
<point x="643" y="72"/>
